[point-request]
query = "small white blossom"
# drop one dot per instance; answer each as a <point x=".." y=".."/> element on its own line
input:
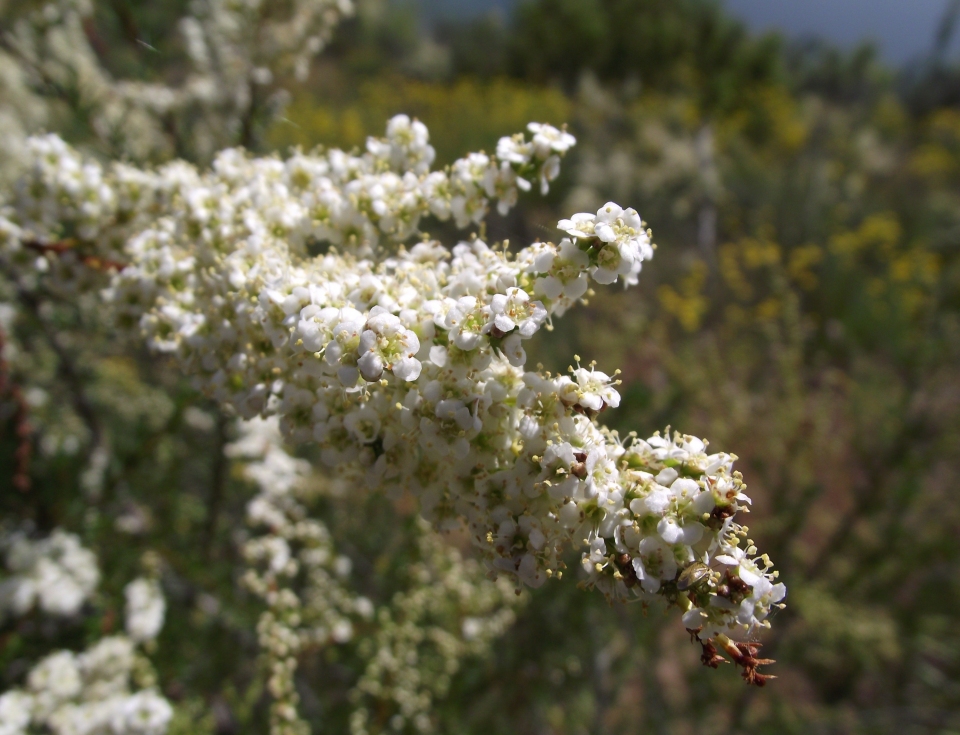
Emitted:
<point x="145" y="609"/>
<point x="144" y="713"/>
<point x="15" y="712"/>
<point x="548" y="139"/>
<point x="56" y="573"/>
<point x="620" y="246"/>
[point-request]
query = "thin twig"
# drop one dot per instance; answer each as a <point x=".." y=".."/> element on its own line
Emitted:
<point x="69" y="245"/>
<point x="21" y="422"/>
<point x="217" y="484"/>
<point x="128" y="24"/>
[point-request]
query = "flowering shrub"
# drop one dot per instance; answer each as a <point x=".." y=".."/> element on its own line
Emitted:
<point x="292" y="292"/>
<point x="406" y="365"/>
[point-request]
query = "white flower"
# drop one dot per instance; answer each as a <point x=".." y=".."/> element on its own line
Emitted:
<point x="512" y="348"/>
<point x="655" y="502"/>
<point x="595" y="557"/>
<point x="144" y="713"/>
<point x="15" y="709"/>
<point x="407" y="147"/>
<point x="363" y="424"/>
<point x="386" y="343"/>
<point x="465" y="321"/>
<point x="514" y="310"/>
<point x="514" y="149"/>
<point x="592" y="391"/>
<point x="109" y="659"/>
<point x="56" y="572"/>
<point x="548" y="139"/>
<point x="580" y="225"/>
<point x="673" y="533"/>
<point x="565" y="278"/>
<point x="625" y="244"/>
<point x="55" y="680"/>
<point x="145" y="609"/>
<point x="755" y="608"/>
<point x="654" y="563"/>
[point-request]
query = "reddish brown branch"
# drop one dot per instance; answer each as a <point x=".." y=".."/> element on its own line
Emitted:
<point x="95" y="40"/>
<point x="69" y="245"/>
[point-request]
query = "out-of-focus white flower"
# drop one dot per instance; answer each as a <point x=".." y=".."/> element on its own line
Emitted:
<point x="90" y="692"/>
<point x="15" y="712"/>
<point x="56" y="573"/>
<point x="54" y="681"/>
<point x="548" y="139"/>
<point x="144" y="713"/>
<point x="145" y="609"/>
<point x="229" y="47"/>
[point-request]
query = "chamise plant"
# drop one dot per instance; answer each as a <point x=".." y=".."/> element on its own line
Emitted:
<point x="355" y="380"/>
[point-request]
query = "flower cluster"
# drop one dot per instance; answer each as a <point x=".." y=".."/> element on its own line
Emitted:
<point x="56" y="574"/>
<point x="235" y="51"/>
<point x="352" y="201"/>
<point x="619" y="239"/>
<point x="406" y="364"/>
<point x="85" y="693"/>
<point x="450" y="611"/>
<point x="89" y="692"/>
<point x="290" y="546"/>
<point x="411" y="645"/>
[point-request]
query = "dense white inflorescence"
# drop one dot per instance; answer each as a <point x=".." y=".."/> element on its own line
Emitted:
<point x="71" y="693"/>
<point x="407" y="364"/>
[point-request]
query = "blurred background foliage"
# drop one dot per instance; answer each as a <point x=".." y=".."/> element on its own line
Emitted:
<point x="803" y="311"/>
